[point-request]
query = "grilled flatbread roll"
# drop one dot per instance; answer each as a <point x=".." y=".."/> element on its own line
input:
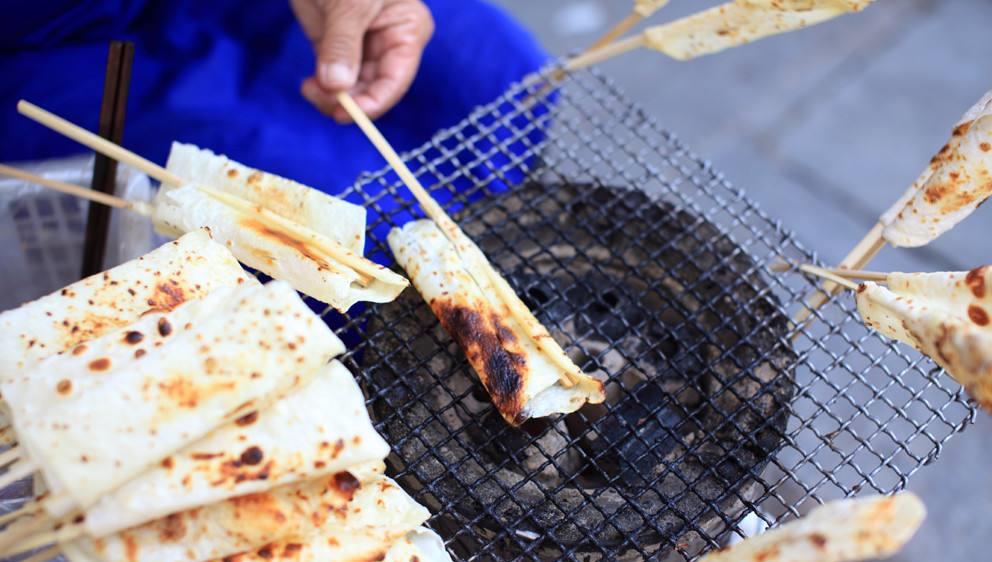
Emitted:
<point x="185" y="269"/>
<point x="839" y="531"/>
<point x="313" y="209"/>
<point x="249" y="522"/>
<point x="312" y="262"/>
<point x="945" y="315"/>
<point x="742" y="21"/>
<point x="521" y="375"/>
<point x="955" y="182"/>
<point x="251" y="346"/>
<point x="321" y="428"/>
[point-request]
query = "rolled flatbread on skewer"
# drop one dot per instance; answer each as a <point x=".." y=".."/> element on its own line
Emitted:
<point x="845" y="530"/>
<point x="945" y="315"/>
<point x="742" y="21"/>
<point x="955" y="182"/>
<point x="254" y="345"/>
<point x="321" y="428"/>
<point x="322" y="213"/>
<point x="523" y="376"/>
<point x="312" y="262"/>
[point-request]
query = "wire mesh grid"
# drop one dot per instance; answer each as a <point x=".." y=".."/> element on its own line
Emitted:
<point x="743" y="412"/>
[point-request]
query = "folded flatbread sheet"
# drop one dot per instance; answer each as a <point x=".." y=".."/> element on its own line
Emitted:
<point x="742" y="21"/>
<point x="185" y="269"/>
<point x="840" y="531"/>
<point x="363" y="509"/>
<point x="321" y="428"/>
<point x="955" y="182"/>
<point x="945" y="315"/>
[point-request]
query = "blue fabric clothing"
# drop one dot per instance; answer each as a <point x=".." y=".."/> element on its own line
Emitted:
<point x="225" y="74"/>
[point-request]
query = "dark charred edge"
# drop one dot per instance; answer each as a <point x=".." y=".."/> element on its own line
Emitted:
<point x="502" y="371"/>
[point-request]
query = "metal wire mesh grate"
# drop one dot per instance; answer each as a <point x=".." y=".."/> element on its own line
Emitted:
<point x="626" y="245"/>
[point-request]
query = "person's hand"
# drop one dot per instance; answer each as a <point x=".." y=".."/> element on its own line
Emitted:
<point x="370" y="48"/>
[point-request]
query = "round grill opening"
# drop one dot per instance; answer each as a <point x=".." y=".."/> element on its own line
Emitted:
<point x="654" y="301"/>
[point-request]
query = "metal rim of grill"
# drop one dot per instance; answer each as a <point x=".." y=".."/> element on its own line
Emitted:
<point x="866" y="414"/>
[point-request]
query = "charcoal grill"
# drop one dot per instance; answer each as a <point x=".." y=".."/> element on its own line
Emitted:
<point x="653" y="272"/>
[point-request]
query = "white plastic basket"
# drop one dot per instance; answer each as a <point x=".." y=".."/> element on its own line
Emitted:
<point x="42" y="231"/>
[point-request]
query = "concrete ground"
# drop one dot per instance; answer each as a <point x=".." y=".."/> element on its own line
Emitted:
<point x="824" y="129"/>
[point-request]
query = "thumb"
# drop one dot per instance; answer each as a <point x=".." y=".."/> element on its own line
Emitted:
<point x="339" y="51"/>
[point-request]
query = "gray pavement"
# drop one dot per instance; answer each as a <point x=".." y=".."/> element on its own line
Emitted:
<point x="824" y="129"/>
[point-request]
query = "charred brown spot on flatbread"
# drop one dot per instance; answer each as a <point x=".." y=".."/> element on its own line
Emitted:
<point x="164" y="327"/>
<point x="818" y="540"/>
<point x="133" y="337"/>
<point x="171" y="528"/>
<point x="346" y="484"/>
<point x="247" y="419"/>
<point x="167" y="296"/>
<point x="101" y="364"/>
<point x="978" y="315"/>
<point x="976" y="281"/>
<point x="486" y="344"/>
<point x="286" y="239"/>
<point x="64" y="387"/>
<point x="252" y="456"/>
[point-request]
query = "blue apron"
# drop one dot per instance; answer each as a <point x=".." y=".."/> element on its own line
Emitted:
<point x="225" y="74"/>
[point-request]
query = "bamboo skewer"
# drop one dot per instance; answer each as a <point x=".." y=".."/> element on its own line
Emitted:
<point x="857" y="258"/>
<point x="139" y="207"/>
<point x="601" y="54"/>
<point x="97" y="143"/>
<point x="858" y="274"/>
<point x="17" y="471"/>
<point x="366" y="269"/>
<point x="52" y="536"/>
<point x="829" y="275"/>
<point x="22" y="529"/>
<point x="503" y="290"/>
<point x="9" y="456"/>
<point x="23" y="511"/>
<point x="44" y="555"/>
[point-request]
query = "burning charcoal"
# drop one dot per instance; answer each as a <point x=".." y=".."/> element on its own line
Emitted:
<point x="640" y="305"/>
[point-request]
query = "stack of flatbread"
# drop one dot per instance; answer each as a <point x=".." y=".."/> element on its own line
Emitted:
<point x="175" y="409"/>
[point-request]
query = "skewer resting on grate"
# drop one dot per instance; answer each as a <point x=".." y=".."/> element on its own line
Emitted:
<point x="524" y="369"/>
<point x="945" y="315"/>
<point x="954" y="183"/>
